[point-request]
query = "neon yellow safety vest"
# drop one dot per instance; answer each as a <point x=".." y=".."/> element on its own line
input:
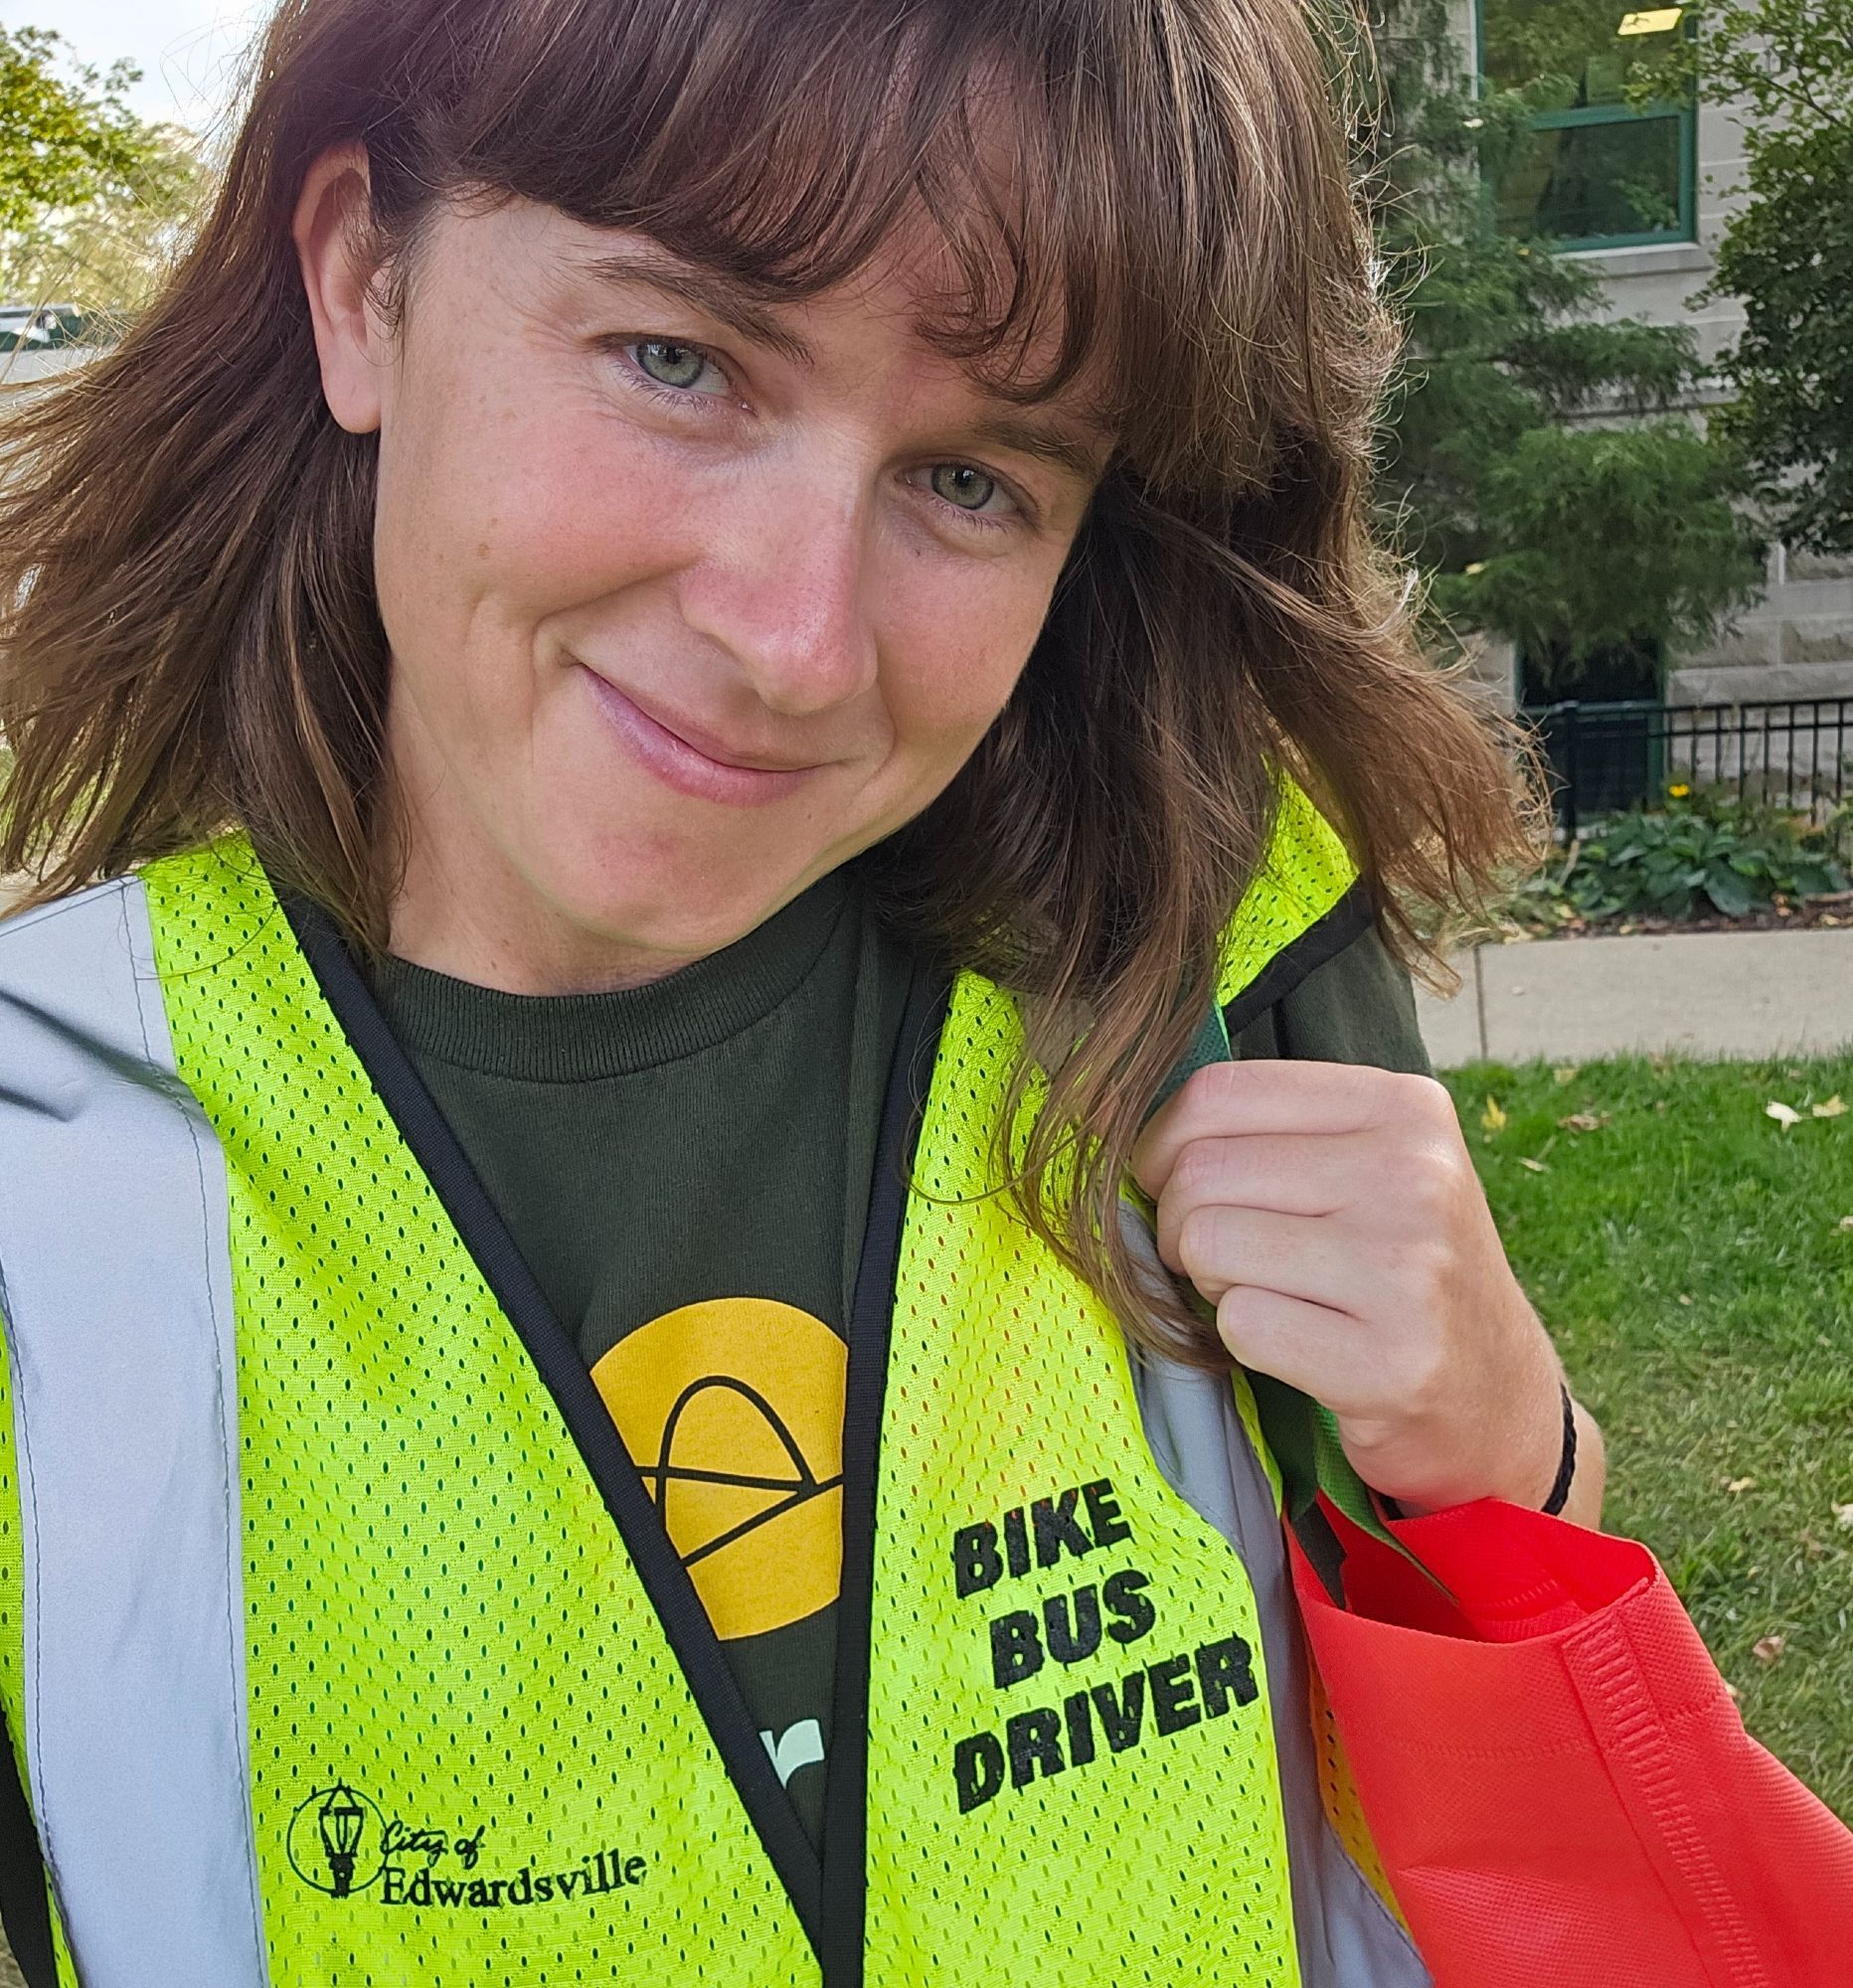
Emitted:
<point x="341" y="1643"/>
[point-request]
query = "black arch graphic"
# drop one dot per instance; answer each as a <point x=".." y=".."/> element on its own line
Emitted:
<point x="803" y="1485"/>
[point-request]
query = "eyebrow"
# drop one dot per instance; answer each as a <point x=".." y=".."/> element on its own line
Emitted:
<point x="1081" y="452"/>
<point x="709" y="293"/>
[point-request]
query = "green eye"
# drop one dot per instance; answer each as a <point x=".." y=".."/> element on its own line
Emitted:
<point x="669" y="364"/>
<point x="958" y="483"/>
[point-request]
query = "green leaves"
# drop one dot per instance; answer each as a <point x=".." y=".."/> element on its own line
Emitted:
<point x="1730" y="889"/>
<point x="1708" y="853"/>
<point x="1614" y="534"/>
<point x="1569" y="540"/>
<point x="63" y="139"/>
<point x="1787" y="252"/>
<point x="92" y="201"/>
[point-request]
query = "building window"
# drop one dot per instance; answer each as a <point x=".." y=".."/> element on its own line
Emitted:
<point x="1592" y="170"/>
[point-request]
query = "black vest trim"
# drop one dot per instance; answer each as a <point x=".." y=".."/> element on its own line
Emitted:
<point x="846" y="1783"/>
<point x="25" y="1909"/>
<point x="588" y="1422"/>
<point x="1346" y="923"/>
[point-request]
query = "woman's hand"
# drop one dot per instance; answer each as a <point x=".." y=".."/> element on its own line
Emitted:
<point x="1331" y="1214"/>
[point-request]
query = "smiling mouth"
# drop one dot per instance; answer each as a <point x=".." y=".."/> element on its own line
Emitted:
<point x="692" y="761"/>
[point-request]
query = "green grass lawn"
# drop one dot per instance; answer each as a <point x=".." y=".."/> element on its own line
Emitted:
<point x="1688" y="1253"/>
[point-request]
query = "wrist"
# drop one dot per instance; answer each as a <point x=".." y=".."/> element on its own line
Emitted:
<point x="1542" y="1460"/>
<point x="1518" y="1459"/>
<point x="1558" y="1494"/>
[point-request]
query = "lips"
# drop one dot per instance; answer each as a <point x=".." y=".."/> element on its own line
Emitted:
<point x="712" y="747"/>
<point x="687" y="759"/>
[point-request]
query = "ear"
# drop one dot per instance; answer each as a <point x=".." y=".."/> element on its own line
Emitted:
<point x="329" y="229"/>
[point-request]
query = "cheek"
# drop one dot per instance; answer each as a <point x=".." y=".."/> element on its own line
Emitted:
<point x="955" y="648"/>
<point x="494" y="516"/>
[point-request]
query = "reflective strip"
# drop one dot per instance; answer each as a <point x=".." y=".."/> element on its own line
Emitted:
<point x="1347" y="1940"/>
<point x="115" y="1284"/>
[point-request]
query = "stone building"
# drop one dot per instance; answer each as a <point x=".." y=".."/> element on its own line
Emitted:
<point x="1644" y="197"/>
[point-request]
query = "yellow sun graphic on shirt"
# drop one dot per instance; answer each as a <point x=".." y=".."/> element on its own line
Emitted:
<point x="733" y="1412"/>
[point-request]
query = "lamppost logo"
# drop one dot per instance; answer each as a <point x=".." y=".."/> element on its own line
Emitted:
<point x="344" y="1844"/>
<point x="337" y="1841"/>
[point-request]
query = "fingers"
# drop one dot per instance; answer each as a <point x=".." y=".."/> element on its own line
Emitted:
<point x="1310" y="1346"/>
<point x="1272" y="1097"/>
<point x="1216" y="1246"/>
<point x="1282" y="1173"/>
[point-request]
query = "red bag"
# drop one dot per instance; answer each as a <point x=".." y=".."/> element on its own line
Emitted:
<point x="1556" y="1778"/>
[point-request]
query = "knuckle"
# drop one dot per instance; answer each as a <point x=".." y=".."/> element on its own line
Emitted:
<point x="1424" y="1100"/>
<point x="1198" y="1168"/>
<point x="1217" y="1087"/>
<point x="1196" y="1240"/>
<point x="1436" y="1098"/>
<point x="1421" y="1266"/>
<point x="1432" y="1181"/>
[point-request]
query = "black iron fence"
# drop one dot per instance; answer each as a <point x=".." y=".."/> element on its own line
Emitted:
<point x="1606" y="757"/>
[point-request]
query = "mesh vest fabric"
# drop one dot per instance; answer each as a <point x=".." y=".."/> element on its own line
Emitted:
<point x="1306" y="871"/>
<point x="501" y="1675"/>
<point x="1163" y="1862"/>
<point x="12" y="1640"/>
<point x="441" y="1615"/>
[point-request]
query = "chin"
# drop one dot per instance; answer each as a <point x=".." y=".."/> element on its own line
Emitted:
<point x="684" y="910"/>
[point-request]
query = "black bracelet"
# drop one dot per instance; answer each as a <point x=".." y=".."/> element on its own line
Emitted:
<point x="1566" y="1467"/>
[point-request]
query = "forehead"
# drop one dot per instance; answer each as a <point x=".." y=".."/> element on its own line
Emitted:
<point x="907" y="302"/>
<point x="1097" y="199"/>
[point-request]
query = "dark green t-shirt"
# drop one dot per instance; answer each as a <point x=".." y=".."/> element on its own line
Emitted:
<point x="685" y="1168"/>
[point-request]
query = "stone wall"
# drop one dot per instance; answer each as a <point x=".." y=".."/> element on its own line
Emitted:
<point x="1796" y="641"/>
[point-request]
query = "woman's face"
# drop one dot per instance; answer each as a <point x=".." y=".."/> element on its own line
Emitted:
<point x="689" y="600"/>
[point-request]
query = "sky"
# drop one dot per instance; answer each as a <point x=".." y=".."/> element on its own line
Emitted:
<point x="187" y="50"/>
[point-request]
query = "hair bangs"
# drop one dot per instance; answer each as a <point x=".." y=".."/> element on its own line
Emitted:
<point x="1007" y="151"/>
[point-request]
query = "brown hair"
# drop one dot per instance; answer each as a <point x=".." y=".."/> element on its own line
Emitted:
<point x="187" y="610"/>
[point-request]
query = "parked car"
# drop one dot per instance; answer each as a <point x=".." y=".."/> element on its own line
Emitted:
<point x="38" y="327"/>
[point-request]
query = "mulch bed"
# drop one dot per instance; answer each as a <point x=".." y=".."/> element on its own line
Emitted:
<point x="1826" y="914"/>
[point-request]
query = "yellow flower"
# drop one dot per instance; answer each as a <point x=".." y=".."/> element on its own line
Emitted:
<point x="1679" y="790"/>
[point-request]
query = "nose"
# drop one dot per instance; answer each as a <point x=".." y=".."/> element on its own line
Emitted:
<point x="782" y="583"/>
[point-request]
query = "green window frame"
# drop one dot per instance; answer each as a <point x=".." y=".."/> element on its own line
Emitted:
<point x="1685" y="227"/>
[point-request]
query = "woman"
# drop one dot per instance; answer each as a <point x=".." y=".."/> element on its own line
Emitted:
<point x="688" y="612"/>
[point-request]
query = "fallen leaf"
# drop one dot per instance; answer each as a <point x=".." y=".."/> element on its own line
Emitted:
<point x="1533" y="1166"/>
<point x="1583" y="1121"/>
<point x="1835" y="1107"/>
<point x="1739" y="1483"/>
<point x="1843" y="1517"/>
<point x="1845" y="1221"/>
<point x="1736" y="1694"/>
<point x="1566" y="1072"/>
<point x="1685" y="1297"/>
<point x="1768" y="1649"/>
<point x="1493" y="1118"/>
<point x="1784" y="1115"/>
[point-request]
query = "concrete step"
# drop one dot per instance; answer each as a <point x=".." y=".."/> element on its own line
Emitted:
<point x="1702" y="994"/>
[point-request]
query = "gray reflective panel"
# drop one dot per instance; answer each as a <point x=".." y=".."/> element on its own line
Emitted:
<point x="115" y="1285"/>
<point x="1347" y="1940"/>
